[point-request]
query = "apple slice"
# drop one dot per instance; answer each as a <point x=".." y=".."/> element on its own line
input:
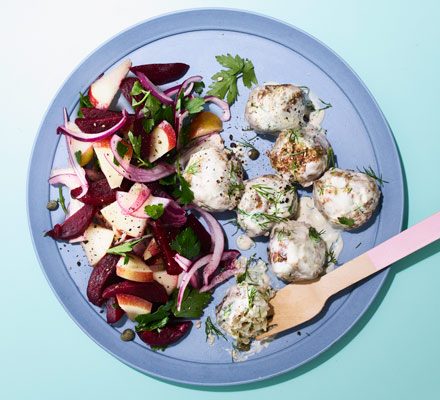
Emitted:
<point x="169" y="282"/>
<point x="97" y="241"/>
<point x="133" y="305"/>
<point x="135" y="270"/>
<point x="162" y="140"/>
<point x="204" y="123"/>
<point x="152" y="249"/>
<point x="103" y="151"/>
<point x="83" y="151"/>
<point x="103" y="90"/>
<point x="132" y="226"/>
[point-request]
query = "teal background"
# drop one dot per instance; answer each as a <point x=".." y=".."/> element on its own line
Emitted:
<point x="392" y="353"/>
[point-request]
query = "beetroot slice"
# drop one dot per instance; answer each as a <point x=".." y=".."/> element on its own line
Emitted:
<point x="150" y="291"/>
<point x="99" y="193"/>
<point x="168" y="335"/>
<point x="126" y="86"/>
<point x="103" y="275"/>
<point x="75" y="225"/>
<point x="202" y="234"/>
<point x="97" y="125"/>
<point x="97" y="113"/>
<point x="163" y="239"/>
<point x="114" y="312"/>
<point x="161" y="74"/>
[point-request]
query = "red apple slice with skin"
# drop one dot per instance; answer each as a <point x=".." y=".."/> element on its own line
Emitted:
<point x="83" y="151"/>
<point x="103" y="90"/>
<point x="162" y="140"/>
<point x="133" y="305"/>
<point x="169" y="282"/>
<point x="134" y="270"/>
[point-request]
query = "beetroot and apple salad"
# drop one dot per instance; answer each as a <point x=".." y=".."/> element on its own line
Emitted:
<point x="130" y="206"/>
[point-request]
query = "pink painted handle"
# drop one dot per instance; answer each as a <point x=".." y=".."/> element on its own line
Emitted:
<point x="406" y="242"/>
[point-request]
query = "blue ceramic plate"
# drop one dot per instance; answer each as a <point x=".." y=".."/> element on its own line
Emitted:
<point x="282" y="53"/>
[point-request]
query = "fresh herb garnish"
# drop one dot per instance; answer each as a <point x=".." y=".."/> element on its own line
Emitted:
<point x="248" y="143"/>
<point x="61" y="199"/>
<point x="330" y="257"/>
<point x="122" y="149"/>
<point x="136" y="143"/>
<point x="194" y="105"/>
<point x="211" y="329"/>
<point x="169" y="180"/>
<point x="193" y="168"/>
<point x="192" y="305"/>
<point x="245" y="276"/>
<point x="155" y="211"/>
<point x="125" y="248"/>
<point x="182" y="192"/>
<point x="84" y="102"/>
<point x="331" y="160"/>
<point x="370" y="172"/>
<point x="251" y="293"/>
<point x="186" y="243"/>
<point x="198" y="87"/>
<point x="346" y="221"/>
<point x="78" y="156"/>
<point x="225" y="82"/>
<point x="294" y="134"/>
<point x="314" y="234"/>
<point x="326" y="105"/>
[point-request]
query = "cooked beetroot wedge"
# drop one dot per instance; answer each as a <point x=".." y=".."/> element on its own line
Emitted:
<point x="168" y="335"/>
<point x="97" y="113"/>
<point x="161" y="74"/>
<point x="114" y="312"/>
<point x="103" y="275"/>
<point x="126" y="86"/>
<point x="151" y="291"/>
<point x="99" y="193"/>
<point x="163" y="239"/>
<point x="202" y="234"/>
<point x="75" y="225"/>
<point x="100" y="124"/>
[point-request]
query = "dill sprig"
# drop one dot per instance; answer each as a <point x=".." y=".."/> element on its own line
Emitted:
<point x="326" y="105"/>
<point x="247" y="143"/>
<point x="370" y="172"/>
<point x="315" y="235"/>
<point x="211" y="329"/>
<point x="330" y="257"/>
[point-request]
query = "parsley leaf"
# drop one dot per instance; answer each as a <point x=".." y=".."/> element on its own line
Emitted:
<point x="148" y="124"/>
<point x="346" y="221"/>
<point x="194" y="105"/>
<point x="168" y="180"/>
<point x="193" y="303"/>
<point x="155" y="320"/>
<point x="211" y="329"/>
<point x="122" y="149"/>
<point x="136" y="143"/>
<point x="125" y="248"/>
<point x="225" y="82"/>
<point x="84" y="102"/>
<point x="155" y="211"/>
<point x="137" y="89"/>
<point x="183" y="192"/>
<point x="198" y="87"/>
<point x="186" y="243"/>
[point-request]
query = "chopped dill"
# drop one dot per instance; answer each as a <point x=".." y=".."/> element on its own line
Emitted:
<point x="315" y="235"/>
<point x="370" y="172"/>
<point x="211" y="329"/>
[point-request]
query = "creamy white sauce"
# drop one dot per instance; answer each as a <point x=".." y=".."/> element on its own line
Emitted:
<point x="331" y="236"/>
<point x="244" y="242"/>
<point x="256" y="347"/>
<point x="316" y="117"/>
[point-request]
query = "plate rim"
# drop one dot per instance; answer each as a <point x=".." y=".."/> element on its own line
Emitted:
<point x="380" y="278"/>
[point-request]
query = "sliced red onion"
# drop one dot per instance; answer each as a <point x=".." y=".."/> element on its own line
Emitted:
<point x="230" y="269"/>
<point x="92" y="137"/>
<point x="79" y="171"/>
<point x="172" y="91"/>
<point x="174" y="215"/>
<point x="222" y="104"/>
<point x="183" y="262"/>
<point x="142" y="197"/>
<point x="188" y="84"/>
<point x="201" y="262"/>
<point x="136" y="174"/>
<point x="154" y="90"/>
<point x="66" y="177"/>
<point x="218" y="241"/>
<point x="139" y="212"/>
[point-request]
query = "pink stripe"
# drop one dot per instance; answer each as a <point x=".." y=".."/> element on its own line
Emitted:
<point x="406" y="242"/>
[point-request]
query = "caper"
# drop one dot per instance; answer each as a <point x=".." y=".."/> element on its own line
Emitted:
<point x="127" y="335"/>
<point x="253" y="154"/>
<point x="52" y="205"/>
